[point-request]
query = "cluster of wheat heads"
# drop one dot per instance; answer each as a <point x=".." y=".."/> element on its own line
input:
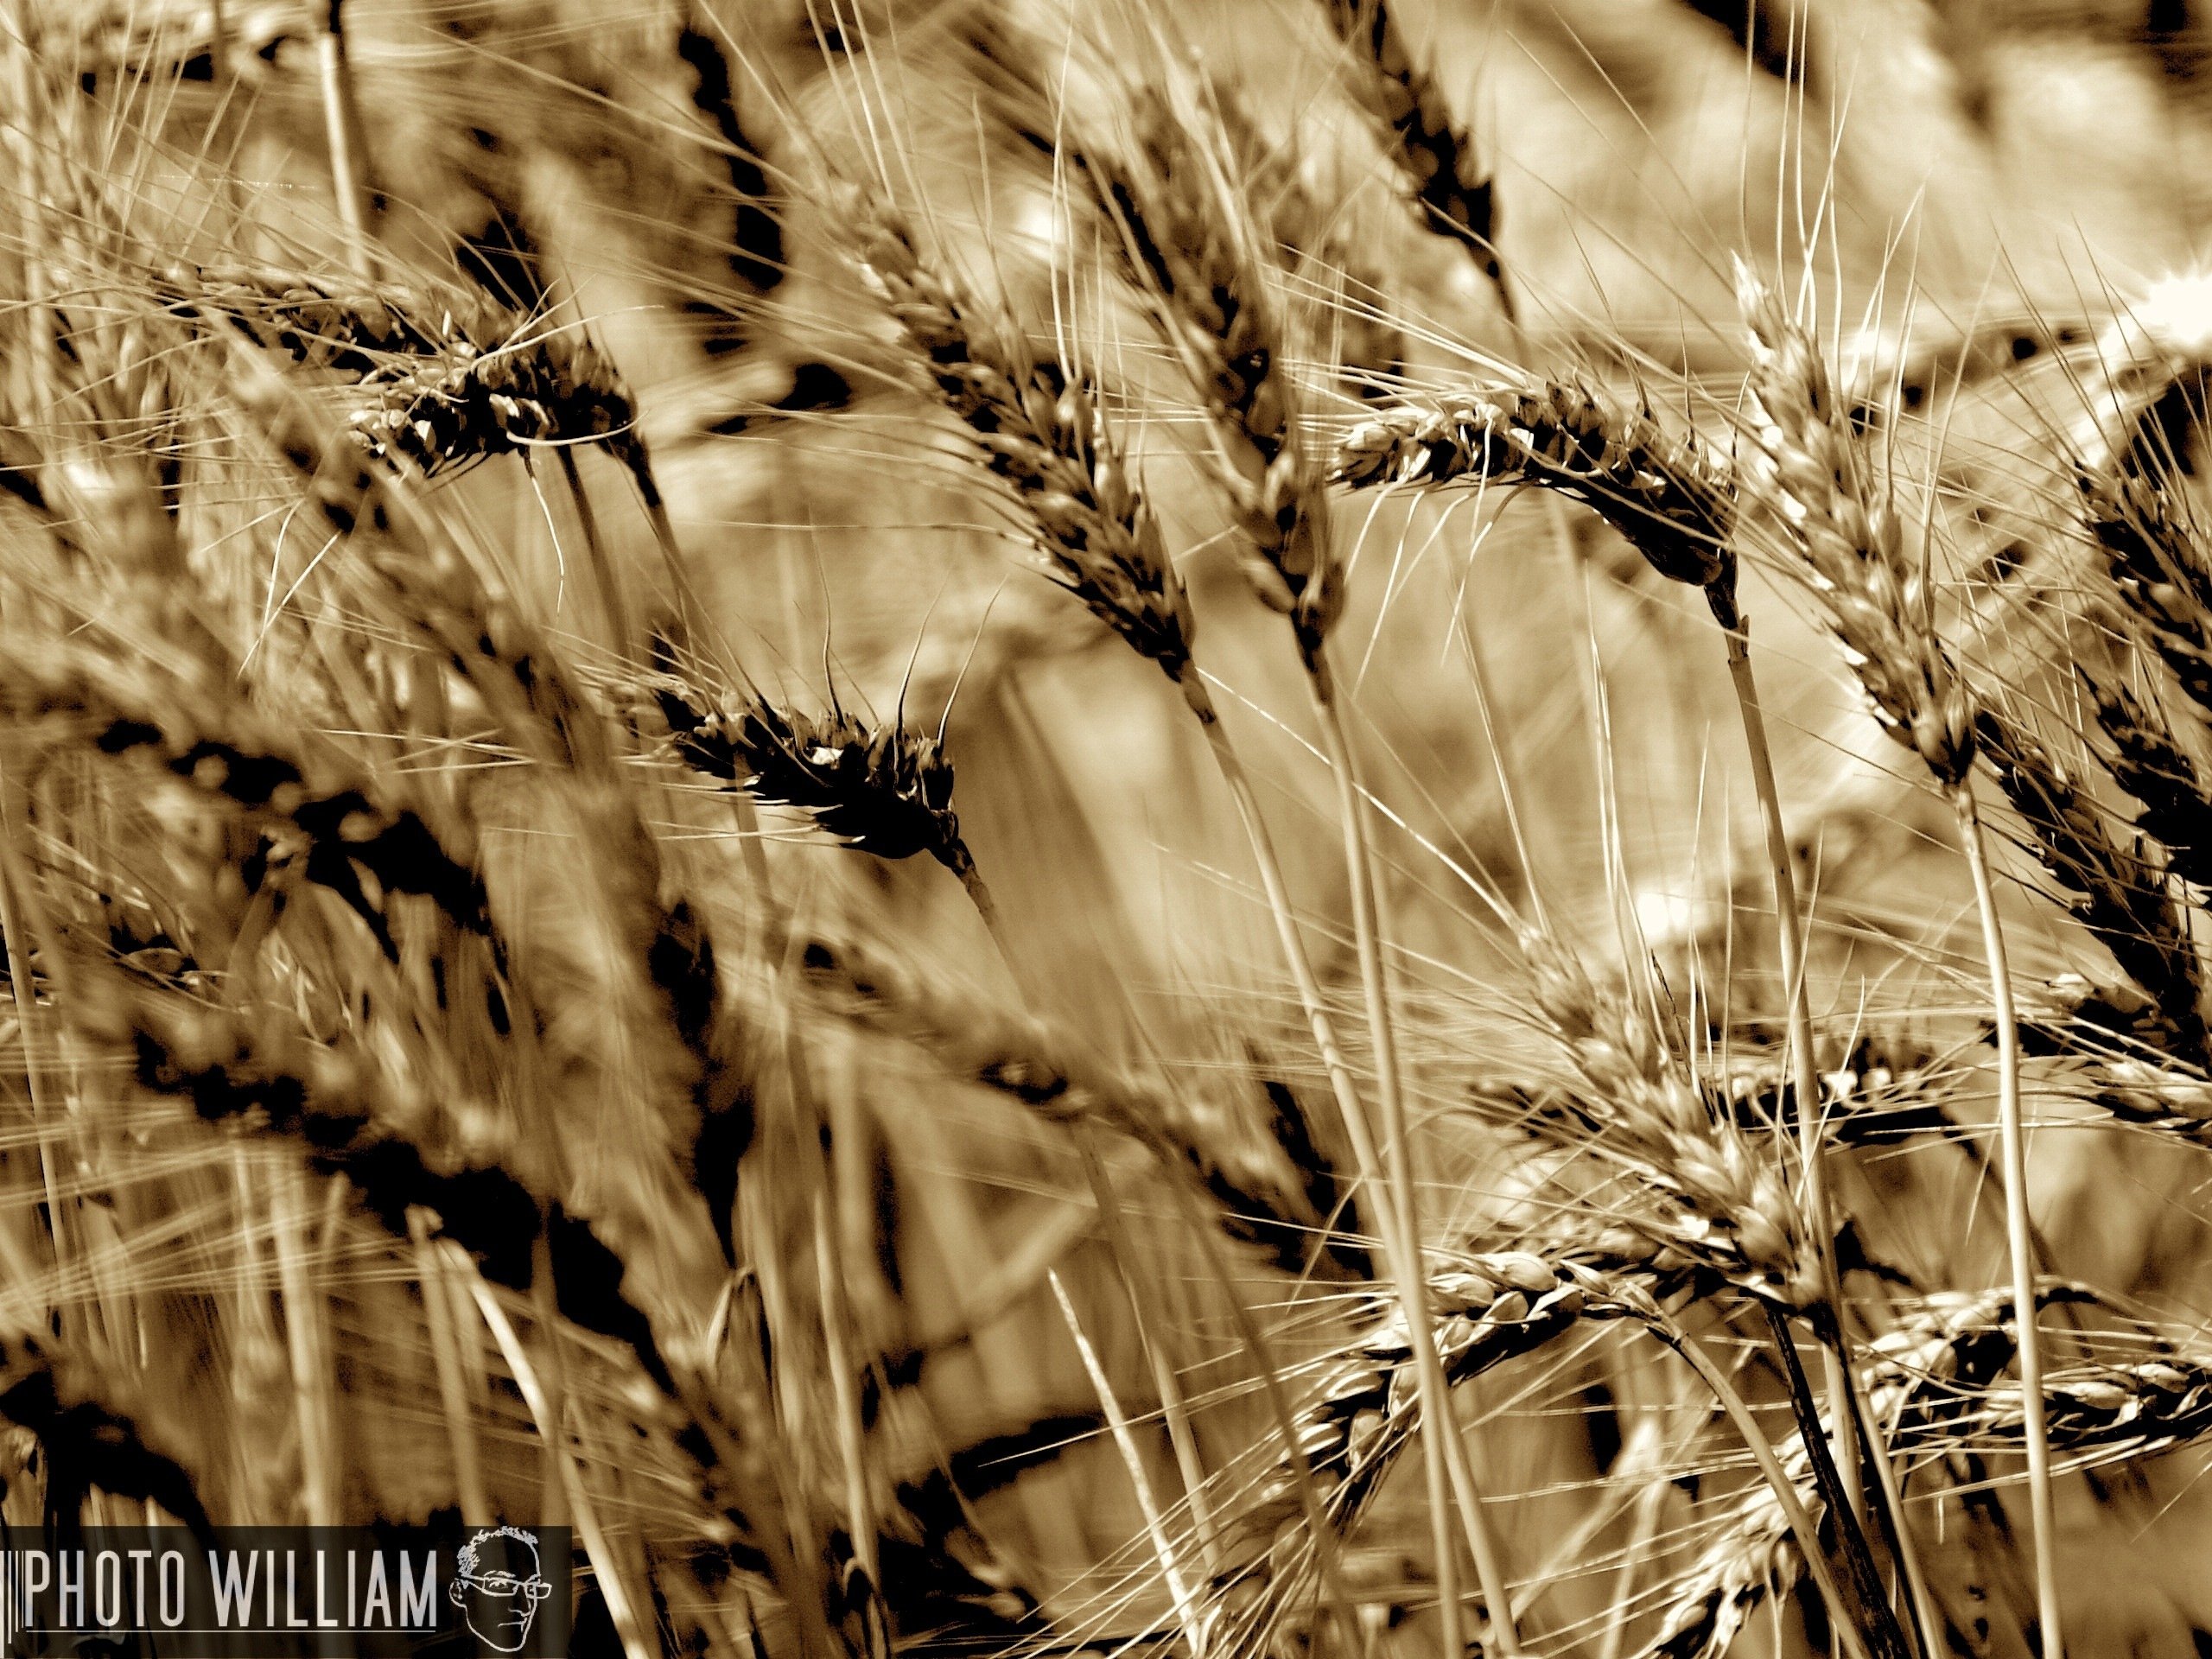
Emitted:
<point x="1088" y="1125"/>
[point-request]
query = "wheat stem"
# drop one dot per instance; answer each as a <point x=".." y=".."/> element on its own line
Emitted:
<point x="22" y="986"/>
<point x="304" y="1315"/>
<point x="611" y="1585"/>
<point x="610" y="588"/>
<point x="671" y="551"/>
<point x="830" y="1264"/>
<point x="1846" y="1410"/>
<point x="837" y="1320"/>
<point x="2020" y="1247"/>
<point x="1400" y="1196"/>
<point x="438" y="1311"/>
<point x="1866" y="1433"/>
<point x="1118" y="1424"/>
<point x="1864" y="1580"/>
<point x="1256" y="1344"/>
<point x="1402" y="1252"/>
<point x="341" y="124"/>
<point x="1174" y="1408"/>
<point x="1803" y="1071"/>
<point x="553" y="1420"/>
<point x="978" y="894"/>
<point x="832" y="1277"/>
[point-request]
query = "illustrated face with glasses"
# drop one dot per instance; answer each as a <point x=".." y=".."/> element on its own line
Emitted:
<point x="498" y="1588"/>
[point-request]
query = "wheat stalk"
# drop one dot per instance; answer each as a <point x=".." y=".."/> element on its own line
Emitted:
<point x="1877" y="601"/>
<point x="349" y="170"/>
<point x="1207" y="286"/>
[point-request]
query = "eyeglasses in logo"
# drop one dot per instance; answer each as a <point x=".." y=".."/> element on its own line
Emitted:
<point x="498" y="1587"/>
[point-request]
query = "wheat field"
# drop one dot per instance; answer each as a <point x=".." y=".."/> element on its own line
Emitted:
<point x="1247" y="829"/>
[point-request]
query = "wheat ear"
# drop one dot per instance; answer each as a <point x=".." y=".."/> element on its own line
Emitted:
<point x="1434" y="152"/>
<point x="443" y="379"/>
<point x="1040" y="431"/>
<point x="1252" y="1189"/>
<point x="2150" y="764"/>
<point x="1677" y="507"/>
<point x="1367" y="1404"/>
<point x="883" y="790"/>
<point x="2151" y="547"/>
<point x="2121" y="896"/>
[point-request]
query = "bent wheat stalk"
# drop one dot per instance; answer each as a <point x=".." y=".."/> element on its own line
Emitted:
<point x="1780" y="1487"/>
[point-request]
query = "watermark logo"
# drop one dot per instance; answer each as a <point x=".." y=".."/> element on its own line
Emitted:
<point x="446" y="1592"/>
<point x="498" y="1587"/>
